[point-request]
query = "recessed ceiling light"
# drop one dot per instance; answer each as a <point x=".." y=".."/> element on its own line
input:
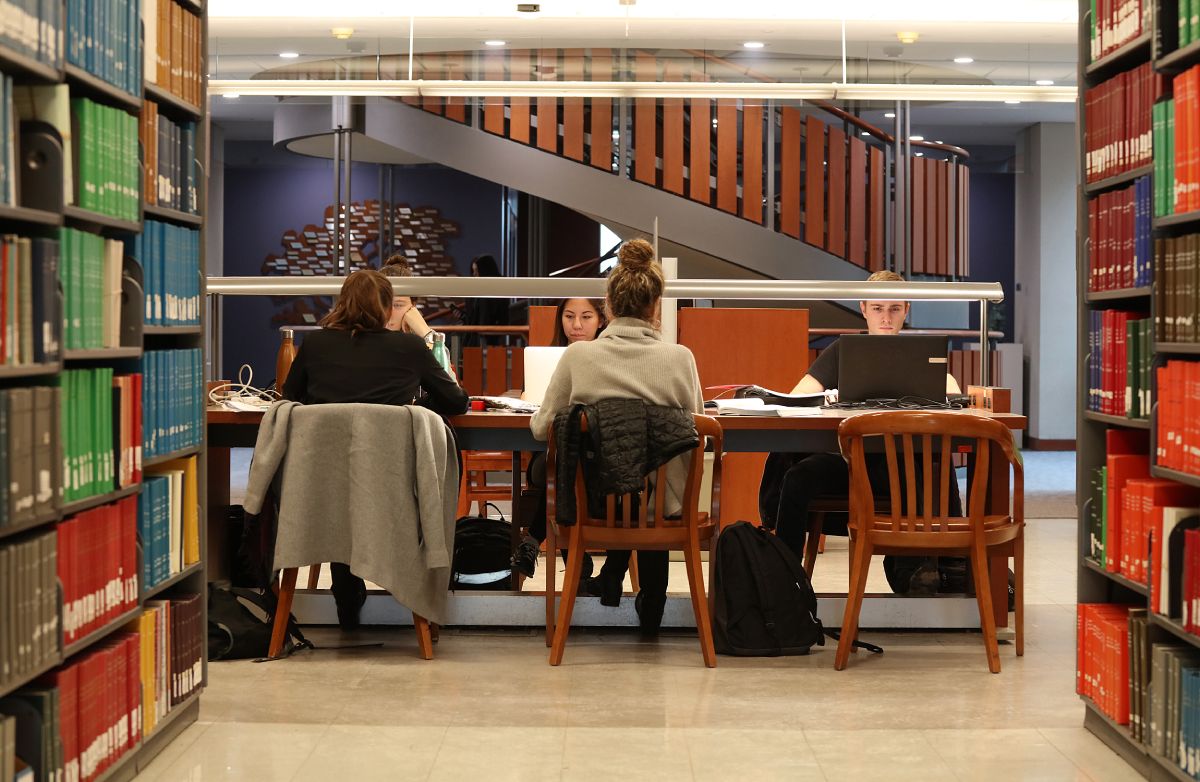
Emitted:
<point x="916" y="138"/>
<point x="231" y="95"/>
<point x="907" y="37"/>
<point x="494" y="43"/>
<point x="890" y="115"/>
<point x="1012" y="102"/>
<point x="866" y="132"/>
<point x="964" y="60"/>
<point x="920" y="154"/>
<point x="754" y="44"/>
<point x="1044" y="82"/>
<point x="289" y="55"/>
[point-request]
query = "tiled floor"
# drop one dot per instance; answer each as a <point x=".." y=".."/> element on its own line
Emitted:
<point x="489" y="707"/>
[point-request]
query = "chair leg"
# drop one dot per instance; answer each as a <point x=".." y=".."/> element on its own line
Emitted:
<point x="314" y="575"/>
<point x="551" y="566"/>
<point x="1019" y="589"/>
<point x="464" y="495"/>
<point x="860" y="564"/>
<point x="983" y="596"/>
<point x="691" y="556"/>
<point x="283" y="610"/>
<point x="812" y="541"/>
<point x="712" y="575"/>
<point x="570" y="588"/>
<point x="821" y="544"/>
<point x="634" y="581"/>
<point x="424" y="636"/>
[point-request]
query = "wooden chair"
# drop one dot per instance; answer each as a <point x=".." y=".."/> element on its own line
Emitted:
<point x="649" y="531"/>
<point x="287" y="590"/>
<point x="475" y="490"/>
<point x="901" y="529"/>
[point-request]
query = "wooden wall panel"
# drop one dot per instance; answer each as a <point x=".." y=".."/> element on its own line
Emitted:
<point x="518" y="108"/>
<point x="943" y="223"/>
<point x="789" y="173"/>
<point x="495" y="377"/>
<point x="493" y="108"/>
<point x="572" y="108"/>
<point x="814" y="182"/>
<point x="727" y="155"/>
<point x="456" y="108"/>
<point x="752" y="161"/>
<point x="930" y="217"/>
<point x="645" y="124"/>
<point x="964" y="225"/>
<point x="431" y="68"/>
<point x="472" y="371"/>
<point x="835" y="174"/>
<point x="541" y="324"/>
<point x="547" y="107"/>
<point x="516" y="376"/>
<point x="601" y="113"/>
<point x="672" y="135"/>
<point x="875" y="243"/>
<point x="700" y="153"/>
<point x="917" y="224"/>
<point x="717" y="338"/>
<point x="856" y="250"/>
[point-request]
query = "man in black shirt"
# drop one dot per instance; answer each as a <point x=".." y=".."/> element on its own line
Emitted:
<point x="792" y="481"/>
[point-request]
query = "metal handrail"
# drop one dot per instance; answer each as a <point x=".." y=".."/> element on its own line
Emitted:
<point x="546" y="288"/>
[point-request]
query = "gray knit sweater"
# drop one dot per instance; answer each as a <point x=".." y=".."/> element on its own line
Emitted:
<point x="628" y="360"/>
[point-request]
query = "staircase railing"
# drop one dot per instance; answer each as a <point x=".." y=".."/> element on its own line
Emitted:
<point x="809" y="170"/>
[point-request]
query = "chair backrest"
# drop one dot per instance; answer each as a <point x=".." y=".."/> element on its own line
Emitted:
<point x="645" y="517"/>
<point x="931" y="433"/>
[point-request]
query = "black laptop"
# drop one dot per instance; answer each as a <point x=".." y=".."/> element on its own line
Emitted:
<point x="892" y="367"/>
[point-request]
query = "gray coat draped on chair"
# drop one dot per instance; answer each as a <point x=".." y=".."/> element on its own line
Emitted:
<point x="374" y="486"/>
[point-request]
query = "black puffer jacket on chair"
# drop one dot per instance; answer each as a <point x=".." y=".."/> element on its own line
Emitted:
<point x="626" y="440"/>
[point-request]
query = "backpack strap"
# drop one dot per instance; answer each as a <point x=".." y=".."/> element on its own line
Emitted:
<point x="837" y="636"/>
<point x="266" y="602"/>
<point x="495" y="507"/>
<point x="799" y="575"/>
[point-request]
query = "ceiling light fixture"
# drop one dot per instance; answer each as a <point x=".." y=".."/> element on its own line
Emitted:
<point x="1012" y="102"/>
<point x="231" y="95"/>
<point x="342" y="33"/>
<point x="289" y="55"/>
<point x="889" y="115"/>
<point x="964" y="60"/>
<point x="1044" y="82"/>
<point x="494" y="43"/>
<point x="907" y="36"/>
<point x="916" y="138"/>
<point x="449" y="88"/>
<point x="920" y="154"/>
<point x="753" y="44"/>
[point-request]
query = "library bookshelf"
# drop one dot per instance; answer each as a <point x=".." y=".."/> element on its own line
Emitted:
<point x="102" y="544"/>
<point x="1139" y="241"/>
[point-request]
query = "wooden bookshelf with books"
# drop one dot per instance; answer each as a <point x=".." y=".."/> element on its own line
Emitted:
<point x="102" y="578"/>
<point x="1138" y="628"/>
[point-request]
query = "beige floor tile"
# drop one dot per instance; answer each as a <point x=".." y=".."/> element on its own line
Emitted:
<point x="514" y="753"/>
<point x="366" y="753"/>
<point x="1090" y="754"/>
<point x="174" y="750"/>
<point x="877" y="754"/>
<point x="264" y="752"/>
<point x="999" y="753"/>
<point x="626" y="754"/>
<point x="724" y="754"/>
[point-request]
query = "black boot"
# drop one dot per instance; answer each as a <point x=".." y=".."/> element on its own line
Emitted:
<point x="649" y="607"/>
<point x="349" y="593"/>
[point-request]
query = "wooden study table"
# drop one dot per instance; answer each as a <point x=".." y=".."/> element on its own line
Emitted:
<point x="499" y="431"/>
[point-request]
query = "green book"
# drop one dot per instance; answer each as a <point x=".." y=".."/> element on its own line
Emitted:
<point x="1185" y="27"/>
<point x="1156" y="124"/>
<point x="1169" y="183"/>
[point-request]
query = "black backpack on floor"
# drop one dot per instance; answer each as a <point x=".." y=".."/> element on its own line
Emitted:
<point x="240" y="623"/>
<point x="482" y="553"/>
<point x="765" y="604"/>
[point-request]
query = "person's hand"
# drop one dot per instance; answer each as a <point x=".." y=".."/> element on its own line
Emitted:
<point x="413" y="323"/>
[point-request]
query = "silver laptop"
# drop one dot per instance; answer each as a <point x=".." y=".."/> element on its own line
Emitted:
<point x="539" y="367"/>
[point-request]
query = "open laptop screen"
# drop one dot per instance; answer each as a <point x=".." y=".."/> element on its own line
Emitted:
<point x="892" y="367"/>
<point x="540" y="363"/>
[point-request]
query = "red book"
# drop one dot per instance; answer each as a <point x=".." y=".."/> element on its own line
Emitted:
<point x="133" y="685"/>
<point x="1121" y="468"/>
<point x="1131" y="511"/>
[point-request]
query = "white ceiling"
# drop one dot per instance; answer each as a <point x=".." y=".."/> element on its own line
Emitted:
<point x="1013" y="42"/>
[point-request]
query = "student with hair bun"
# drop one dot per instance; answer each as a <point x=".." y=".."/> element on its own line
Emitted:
<point x="629" y="360"/>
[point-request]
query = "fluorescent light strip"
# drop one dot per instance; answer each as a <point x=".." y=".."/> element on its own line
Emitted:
<point x="616" y="89"/>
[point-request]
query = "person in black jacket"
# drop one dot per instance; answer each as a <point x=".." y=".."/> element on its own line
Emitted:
<point x="354" y="358"/>
<point x="485" y="311"/>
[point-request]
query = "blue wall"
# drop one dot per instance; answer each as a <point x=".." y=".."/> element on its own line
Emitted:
<point x="268" y="192"/>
